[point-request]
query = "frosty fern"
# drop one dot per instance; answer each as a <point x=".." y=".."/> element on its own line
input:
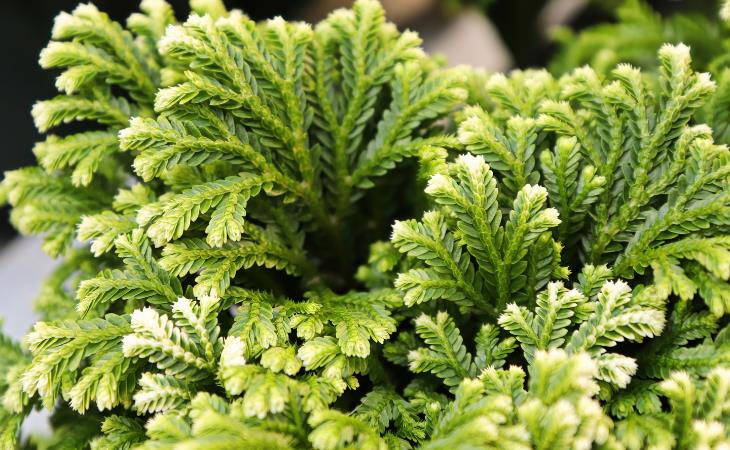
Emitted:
<point x="566" y="286"/>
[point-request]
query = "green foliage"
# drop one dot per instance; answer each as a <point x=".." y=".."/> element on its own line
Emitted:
<point x="233" y="287"/>
<point x="109" y="74"/>
<point x="555" y="410"/>
<point x="446" y="355"/>
<point x="59" y="348"/>
<point x="635" y="37"/>
<point x="696" y="419"/>
<point x="637" y="190"/>
<point x="12" y="361"/>
<point x="514" y="257"/>
<point x="262" y="100"/>
<point x="636" y="185"/>
<point x="639" y="32"/>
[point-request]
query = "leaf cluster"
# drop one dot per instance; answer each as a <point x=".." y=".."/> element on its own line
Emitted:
<point x="227" y="279"/>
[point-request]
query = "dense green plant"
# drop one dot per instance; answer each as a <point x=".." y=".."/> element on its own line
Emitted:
<point x="566" y="287"/>
<point x="637" y="34"/>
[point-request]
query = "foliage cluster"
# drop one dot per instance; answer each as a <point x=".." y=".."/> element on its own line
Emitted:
<point x="282" y="236"/>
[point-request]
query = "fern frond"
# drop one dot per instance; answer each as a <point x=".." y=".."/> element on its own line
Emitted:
<point x="613" y="321"/>
<point x="120" y="432"/>
<point x="446" y="356"/>
<point x="142" y="279"/>
<point x="557" y="309"/>
<point x="108" y="381"/>
<point x="50" y="206"/>
<point x="510" y="153"/>
<point x="450" y="274"/>
<point x="167" y="344"/>
<point x="219" y="265"/>
<point x="490" y="351"/>
<point x="58" y="350"/>
<point x="470" y="191"/>
<point x="333" y="429"/>
<point x="168" y="219"/>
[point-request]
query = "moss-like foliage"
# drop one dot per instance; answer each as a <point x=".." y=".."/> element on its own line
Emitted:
<point x="293" y="237"/>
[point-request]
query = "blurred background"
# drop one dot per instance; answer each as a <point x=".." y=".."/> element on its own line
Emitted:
<point x="497" y="35"/>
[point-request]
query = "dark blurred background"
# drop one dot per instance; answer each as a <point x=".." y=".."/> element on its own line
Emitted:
<point x="494" y="34"/>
